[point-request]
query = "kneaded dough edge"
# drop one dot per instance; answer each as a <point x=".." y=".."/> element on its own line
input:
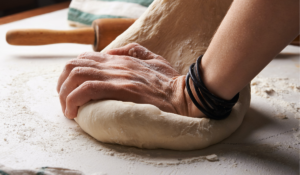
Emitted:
<point x="146" y="126"/>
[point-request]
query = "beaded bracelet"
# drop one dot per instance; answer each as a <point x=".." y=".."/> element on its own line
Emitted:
<point x="213" y="106"/>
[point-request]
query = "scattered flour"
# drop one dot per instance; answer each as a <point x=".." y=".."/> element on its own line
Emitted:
<point x="280" y="92"/>
<point x="23" y="126"/>
<point x="212" y="158"/>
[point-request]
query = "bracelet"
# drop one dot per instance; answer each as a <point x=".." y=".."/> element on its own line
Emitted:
<point x="213" y="106"/>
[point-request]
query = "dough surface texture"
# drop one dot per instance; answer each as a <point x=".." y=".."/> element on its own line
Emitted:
<point x="179" y="31"/>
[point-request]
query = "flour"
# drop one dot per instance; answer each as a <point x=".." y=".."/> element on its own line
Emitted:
<point x="212" y="158"/>
<point x="151" y="158"/>
<point x="297" y="135"/>
<point x="24" y="126"/>
<point x="281" y="116"/>
<point x="280" y="92"/>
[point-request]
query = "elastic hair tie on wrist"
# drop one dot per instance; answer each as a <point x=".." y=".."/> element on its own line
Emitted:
<point x="213" y="106"/>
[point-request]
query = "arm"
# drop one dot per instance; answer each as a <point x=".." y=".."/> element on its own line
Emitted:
<point x="252" y="33"/>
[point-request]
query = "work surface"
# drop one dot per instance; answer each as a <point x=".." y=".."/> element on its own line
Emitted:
<point x="34" y="133"/>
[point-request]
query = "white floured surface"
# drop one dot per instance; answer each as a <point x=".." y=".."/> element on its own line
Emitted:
<point x="34" y="133"/>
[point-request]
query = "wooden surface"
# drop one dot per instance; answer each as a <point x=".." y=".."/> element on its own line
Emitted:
<point x="16" y="3"/>
<point x="35" y="12"/>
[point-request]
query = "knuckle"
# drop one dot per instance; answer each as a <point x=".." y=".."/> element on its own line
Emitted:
<point x="160" y="58"/>
<point x="163" y="61"/>
<point x="132" y="86"/>
<point x="128" y="75"/>
<point x="71" y="64"/>
<point x="83" y="55"/>
<point x="127" y="58"/>
<point x="69" y="100"/>
<point x="88" y="86"/>
<point x="76" y="72"/>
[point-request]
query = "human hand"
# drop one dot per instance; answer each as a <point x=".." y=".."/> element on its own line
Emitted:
<point x="130" y="73"/>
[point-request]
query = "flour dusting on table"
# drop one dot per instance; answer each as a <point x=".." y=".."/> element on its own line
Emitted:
<point x="280" y="92"/>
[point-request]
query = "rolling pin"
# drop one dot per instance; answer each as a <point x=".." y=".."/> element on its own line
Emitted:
<point x="102" y="32"/>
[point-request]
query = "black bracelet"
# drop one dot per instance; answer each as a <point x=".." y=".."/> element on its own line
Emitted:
<point x="213" y="106"/>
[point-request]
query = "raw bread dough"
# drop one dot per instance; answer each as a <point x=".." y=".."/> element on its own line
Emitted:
<point x="180" y="31"/>
<point x="145" y="126"/>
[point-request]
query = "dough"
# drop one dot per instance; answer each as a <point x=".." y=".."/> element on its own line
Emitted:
<point x="180" y="31"/>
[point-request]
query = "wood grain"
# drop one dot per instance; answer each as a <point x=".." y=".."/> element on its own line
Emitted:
<point x="35" y="12"/>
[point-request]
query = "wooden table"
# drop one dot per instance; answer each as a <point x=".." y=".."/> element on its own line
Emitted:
<point x="35" y="12"/>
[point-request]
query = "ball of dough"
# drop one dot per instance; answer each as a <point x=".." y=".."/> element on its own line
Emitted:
<point x="180" y="31"/>
<point x="146" y="126"/>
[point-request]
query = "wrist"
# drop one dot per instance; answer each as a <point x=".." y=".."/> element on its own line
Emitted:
<point x="193" y="111"/>
<point x="212" y="106"/>
<point x="217" y="80"/>
<point x="182" y="101"/>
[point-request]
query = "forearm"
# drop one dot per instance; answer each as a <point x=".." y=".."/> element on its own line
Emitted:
<point x="252" y="33"/>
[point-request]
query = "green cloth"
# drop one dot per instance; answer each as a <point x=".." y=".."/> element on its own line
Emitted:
<point x="83" y="13"/>
<point x="40" y="171"/>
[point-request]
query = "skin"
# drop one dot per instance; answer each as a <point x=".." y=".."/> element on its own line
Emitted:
<point x="130" y="73"/>
<point x="252" y="33"/>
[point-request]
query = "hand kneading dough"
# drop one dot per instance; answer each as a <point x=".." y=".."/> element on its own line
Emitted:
<point x="180" y="31"/>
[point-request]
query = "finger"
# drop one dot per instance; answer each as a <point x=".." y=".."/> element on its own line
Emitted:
<point x="70" y="65"/>
<point x="122" y="50"/>
<point x="133" y="50"/>
<point x="78" y="76"/>
<point x="96" y="56"/>
<point x="143" y="53"/>
<point x="97" y="90"/>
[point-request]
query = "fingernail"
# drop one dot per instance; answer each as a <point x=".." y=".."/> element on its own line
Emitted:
<point x="132" y="52"/>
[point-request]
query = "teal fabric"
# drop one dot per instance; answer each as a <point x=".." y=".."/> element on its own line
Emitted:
<point x="3" y="173"/>
<point x="42" y="171"/>
<point x="86" y="18"/>
<point x="145" y="3"/>
<point x="134" y="8"/>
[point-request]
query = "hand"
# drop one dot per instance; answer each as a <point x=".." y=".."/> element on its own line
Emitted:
<point x="130" y="73"/>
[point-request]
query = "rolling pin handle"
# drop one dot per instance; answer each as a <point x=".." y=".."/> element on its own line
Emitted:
<point x="44" y="36"/>
<point x="107" y="30"/>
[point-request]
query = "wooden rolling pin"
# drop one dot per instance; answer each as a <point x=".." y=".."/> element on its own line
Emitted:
<point x="296" y="41"/>
<point x="103" y="32"/>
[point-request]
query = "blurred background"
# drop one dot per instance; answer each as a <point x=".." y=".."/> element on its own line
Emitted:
<point x="9" y="7"/>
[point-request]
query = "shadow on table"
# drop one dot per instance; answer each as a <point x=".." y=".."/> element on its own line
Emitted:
<point x="287" y="55"/>
<point x="252" y="121"/>
<point x="240" y="143"/>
